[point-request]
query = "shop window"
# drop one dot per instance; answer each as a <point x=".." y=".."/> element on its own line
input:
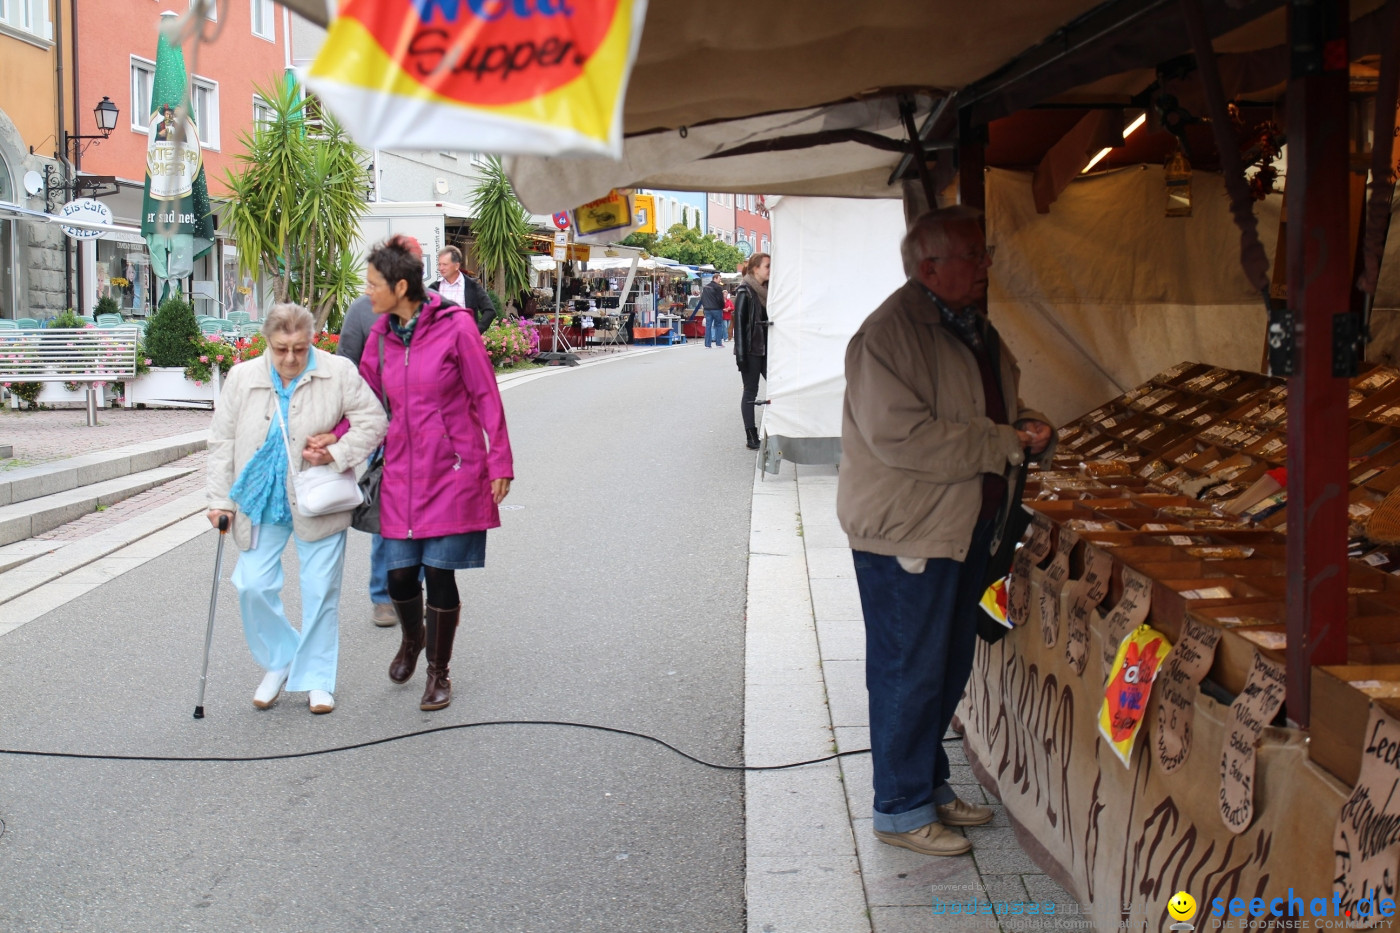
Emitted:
<point x="123" y="274"/>
<point x="143" y="76"/>
<point x="264" y="26"/>
<point x="205" y="111"/>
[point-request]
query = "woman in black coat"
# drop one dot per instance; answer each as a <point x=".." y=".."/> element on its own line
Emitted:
<point x="751" y="336"/>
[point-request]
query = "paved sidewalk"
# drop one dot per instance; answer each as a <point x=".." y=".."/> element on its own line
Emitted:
<point x="54" y="434"/>
<point x="814" y="864"/>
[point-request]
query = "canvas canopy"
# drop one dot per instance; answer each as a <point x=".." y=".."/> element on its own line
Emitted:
<point x="837" y="258"/>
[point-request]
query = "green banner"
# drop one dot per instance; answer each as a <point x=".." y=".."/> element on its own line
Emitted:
<point x="175" y="213"/>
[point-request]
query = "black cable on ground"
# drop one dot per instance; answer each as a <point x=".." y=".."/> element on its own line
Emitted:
<point x="409" y="735"/>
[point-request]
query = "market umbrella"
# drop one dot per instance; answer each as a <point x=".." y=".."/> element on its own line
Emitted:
<point x="175" y="214"/>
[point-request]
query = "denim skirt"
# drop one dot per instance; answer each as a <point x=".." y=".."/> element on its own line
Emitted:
<point x="449" y="552"/>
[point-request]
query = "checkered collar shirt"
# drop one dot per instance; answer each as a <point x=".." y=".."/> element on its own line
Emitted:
<point x="968" y="323"/>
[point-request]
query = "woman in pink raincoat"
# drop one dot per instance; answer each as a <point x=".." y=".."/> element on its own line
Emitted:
<point x="447" y="462"/>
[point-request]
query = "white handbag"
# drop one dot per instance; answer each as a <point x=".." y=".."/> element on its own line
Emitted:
<point x="320" y="490"/>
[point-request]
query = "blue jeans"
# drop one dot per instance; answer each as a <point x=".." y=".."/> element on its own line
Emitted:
<point x="313" y="652"/>
<point x="378" y="571"/>
<point x="714" y="326"/>
<point x="920" y="634"/>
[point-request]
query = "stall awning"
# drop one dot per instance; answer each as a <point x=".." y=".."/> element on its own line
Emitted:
<point x="9" y="211"/>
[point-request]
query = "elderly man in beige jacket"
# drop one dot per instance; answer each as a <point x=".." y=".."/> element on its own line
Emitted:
<point x="931" y="429"/>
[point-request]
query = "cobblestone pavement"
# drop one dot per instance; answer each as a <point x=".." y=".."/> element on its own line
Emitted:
<point x="142" y="502"/>
<point x="40" y="436"/>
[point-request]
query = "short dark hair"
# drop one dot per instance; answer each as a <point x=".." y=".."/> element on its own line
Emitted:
<point x="452" y="251"/>
<point x="394" y="260"/>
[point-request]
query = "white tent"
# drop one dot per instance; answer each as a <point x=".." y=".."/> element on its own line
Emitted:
<point x="834" y="261"/>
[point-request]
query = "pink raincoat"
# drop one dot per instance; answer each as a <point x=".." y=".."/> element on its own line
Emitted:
<point x="447" y="430"/>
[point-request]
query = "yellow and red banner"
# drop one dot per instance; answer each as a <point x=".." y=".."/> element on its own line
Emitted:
<point x="994" y="602"/>
<point x="544" y="77"/>
<point x="1135" y="667"/>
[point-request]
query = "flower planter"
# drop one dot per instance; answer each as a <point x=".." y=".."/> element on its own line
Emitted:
<point x="167" y="387"/>
<point x="54" y="393"/>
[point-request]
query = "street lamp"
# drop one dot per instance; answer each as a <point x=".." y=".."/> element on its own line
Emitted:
<point x="106" y="113"/>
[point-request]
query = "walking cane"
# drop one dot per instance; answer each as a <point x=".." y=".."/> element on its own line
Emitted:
<point x="213" y="607"/>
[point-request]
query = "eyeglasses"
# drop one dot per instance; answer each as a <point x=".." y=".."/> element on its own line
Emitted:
<point x="975" y="258"/>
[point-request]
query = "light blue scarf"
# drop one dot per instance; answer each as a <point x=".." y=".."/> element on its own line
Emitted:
<point x="261" y="489"/>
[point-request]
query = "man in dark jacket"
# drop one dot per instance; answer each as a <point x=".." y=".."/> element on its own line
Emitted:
<point x="454" y="284"/>
<point x="712" y="301"/>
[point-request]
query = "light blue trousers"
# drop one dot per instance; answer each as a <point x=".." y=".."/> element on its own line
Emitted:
<point x="312" y="653"/>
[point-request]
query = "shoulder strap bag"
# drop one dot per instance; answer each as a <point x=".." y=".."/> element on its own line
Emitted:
<point x="319" y="490"/>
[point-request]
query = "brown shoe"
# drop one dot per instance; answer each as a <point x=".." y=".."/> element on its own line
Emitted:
<point x="410" y="616"/>
<point x="442" y="629"/>
<point x="384" y="615"/>
<point x="960" y="813"/>
<point x="933" y="839"/>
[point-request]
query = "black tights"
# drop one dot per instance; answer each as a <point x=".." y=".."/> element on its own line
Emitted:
<point x="442" y="586"/>
<point x="754" y="366"/>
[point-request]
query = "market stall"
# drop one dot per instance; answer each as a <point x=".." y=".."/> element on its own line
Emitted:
<point x="1172" y="265"/>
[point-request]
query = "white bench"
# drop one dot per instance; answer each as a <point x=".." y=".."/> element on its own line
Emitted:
<point x="59" y="354"/>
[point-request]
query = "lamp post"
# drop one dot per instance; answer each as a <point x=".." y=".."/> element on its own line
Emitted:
<point x="58" y="188"/>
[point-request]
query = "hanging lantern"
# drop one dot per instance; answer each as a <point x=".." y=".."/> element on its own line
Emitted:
<point x="1178" y="174"/>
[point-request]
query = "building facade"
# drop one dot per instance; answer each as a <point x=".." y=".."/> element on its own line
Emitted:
<point x="34" y="78"/>
<point x="751" y="222"/>
<point x="115" y="57"/>
<point x="720" y="216"/>
<point x="679" y="207"/>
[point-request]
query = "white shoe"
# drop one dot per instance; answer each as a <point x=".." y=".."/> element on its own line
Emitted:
<point x="270" y="687"/>
<point x="321" y="701"/>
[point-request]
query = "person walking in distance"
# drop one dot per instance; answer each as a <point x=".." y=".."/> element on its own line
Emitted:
<point x="447" y="463"/>
<point x="454" y="284"/>
<point x="712" y="301"/>
<point x="751" y="337"/>
<point x="931" y="428"/>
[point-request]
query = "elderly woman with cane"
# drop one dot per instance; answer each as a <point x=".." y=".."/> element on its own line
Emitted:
<point x="276" y="413"/>
<point x="447" y="461"/>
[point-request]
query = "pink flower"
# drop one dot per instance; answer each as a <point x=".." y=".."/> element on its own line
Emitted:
<point x="219" y="358"/>
<point x="198" y="383"/>
<point x="148" y="362"/>
<point x="7" y="385"/>
<point x="204" y="359"/>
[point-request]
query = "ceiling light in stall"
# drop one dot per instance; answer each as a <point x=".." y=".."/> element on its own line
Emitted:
<point x="1131" y="128"/>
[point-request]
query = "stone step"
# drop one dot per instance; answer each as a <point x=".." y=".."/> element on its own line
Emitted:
<point x="22" y="552"/>
<point x="137" y="538"/>
<point x="62" y="475"/>
<point x="35" y="516"/>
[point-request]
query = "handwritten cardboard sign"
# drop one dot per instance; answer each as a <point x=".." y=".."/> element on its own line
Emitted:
<point x="1083" y="595"/>
<point x="1055" y="577"/>
<point x="1135" y="667"/>
<point x="1018" y="588"/>
<point x="1367" y="837"/>
<point x="1128" y="614"/>
<point x="1252" y="710"/>
<point x="1039" y="544"/>
<point x="1189" y="661"/>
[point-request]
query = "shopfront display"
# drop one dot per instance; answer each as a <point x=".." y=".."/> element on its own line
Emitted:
<point x="1161" y="523"/>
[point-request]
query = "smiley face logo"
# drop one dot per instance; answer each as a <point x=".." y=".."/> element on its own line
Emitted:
<point x="1182" y="906"/>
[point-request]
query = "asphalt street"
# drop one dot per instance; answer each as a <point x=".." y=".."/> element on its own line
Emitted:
<point x="614" y="594"/>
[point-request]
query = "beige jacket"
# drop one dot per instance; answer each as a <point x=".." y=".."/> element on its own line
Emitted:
<point x="247" y="411"/>
<point x="915" y="439"/>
